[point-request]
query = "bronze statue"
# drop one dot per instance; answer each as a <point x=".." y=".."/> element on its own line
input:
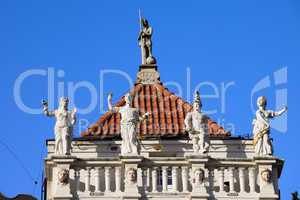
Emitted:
<point x="145" y="42"/>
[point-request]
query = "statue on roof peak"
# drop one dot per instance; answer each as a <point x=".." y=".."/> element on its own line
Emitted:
<point x="145" y="42"/>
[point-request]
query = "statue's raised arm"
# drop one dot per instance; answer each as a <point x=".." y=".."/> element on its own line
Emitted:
<point x="46" y="109"/>
<point x="109" y="103"/>
<point x="280" y="112"/>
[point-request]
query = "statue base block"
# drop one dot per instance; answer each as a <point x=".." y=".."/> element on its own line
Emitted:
<point x="130" y="196"/>
<point x="199" y="196"/>
<point x="268" y="197"/>
<point x="61" y="196"/>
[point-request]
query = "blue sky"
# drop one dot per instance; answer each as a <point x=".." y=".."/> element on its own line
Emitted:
<point x="221" y="42"/>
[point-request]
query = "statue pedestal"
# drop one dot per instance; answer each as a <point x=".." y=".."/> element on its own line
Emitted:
<point x="199" y="192"/>
<point x="267" y="182"/>
<point x="197" y="162"/>
<point x="130" y="163"/>
<point x="62" y="189"/>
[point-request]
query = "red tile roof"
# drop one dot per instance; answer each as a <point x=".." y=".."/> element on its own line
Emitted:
<point x="167" y="113"/>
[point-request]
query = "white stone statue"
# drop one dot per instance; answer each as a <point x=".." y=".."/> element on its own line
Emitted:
<point x="129" y="120"/>
<point x="196" y="126"/>
<point x="65" y="120"/>
<point x="261" y="128"/>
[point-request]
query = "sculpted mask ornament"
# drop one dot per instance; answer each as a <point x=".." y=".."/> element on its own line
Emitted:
<point x="131" y="175"/>
<point x="199" y="176"/>
<point x="63" y="176"/>
<point x="266" y="175"/>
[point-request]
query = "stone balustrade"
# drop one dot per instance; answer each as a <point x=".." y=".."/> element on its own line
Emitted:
<point x="97" y="180"/>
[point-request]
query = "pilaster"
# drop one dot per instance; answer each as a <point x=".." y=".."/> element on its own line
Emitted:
<point x="62" y="166"/>
<point x="197" y="162"/>
<point x="130" y="164"/>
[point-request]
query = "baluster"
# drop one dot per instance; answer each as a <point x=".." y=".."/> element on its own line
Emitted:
<point x="174" y="179"/>
<point x="107" y="179"/>
<point x="149" y="178"/>
<point x="164" y="178"/>
<point x="184" y="175"/>
<point x="77" y="179"/>
<point x="97" y="179"/>
<point x="154" y="179"/>
<point x="252" y="179"/>
<point x="231" y="179"/>
<point x="144" y="178"/>
<point x="211" y="179"/>
<point x="221" y="179"/>
<point x="88" y="179"/>
<point x="242" y="179"/>
<point x="118" y="178"/>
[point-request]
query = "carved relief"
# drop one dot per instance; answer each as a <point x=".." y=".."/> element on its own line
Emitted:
<point x="131" y="176"/>
<point x="63" y="176"/>
<point x="266" y="176"/>
<point x="148" y="77"/>
<point x="198" y="177"/>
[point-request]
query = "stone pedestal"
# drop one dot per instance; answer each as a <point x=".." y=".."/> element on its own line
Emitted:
<point x="199" y="162"/>
<point x="266" y="175"/>
<point x="61" y="177"/>
<point x="130" y="165"/>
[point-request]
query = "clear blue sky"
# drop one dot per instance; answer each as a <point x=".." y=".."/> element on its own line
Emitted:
<point x="219" y="41"/>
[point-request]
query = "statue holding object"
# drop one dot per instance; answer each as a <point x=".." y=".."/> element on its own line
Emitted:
<point x="63" y="129"/>
<point x="145" y="42"/>
<point x="129" y="120"/>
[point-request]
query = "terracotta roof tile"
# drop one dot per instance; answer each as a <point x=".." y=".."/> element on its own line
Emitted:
<point x="167" y="113"/>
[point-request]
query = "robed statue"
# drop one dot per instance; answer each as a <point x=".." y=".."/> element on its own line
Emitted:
<point x="261" y="127"/>
<point x="130" y="118"/>
<point x="63" y="129"/>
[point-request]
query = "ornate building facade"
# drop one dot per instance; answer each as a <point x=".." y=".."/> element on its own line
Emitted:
<point x="152" y="144"/>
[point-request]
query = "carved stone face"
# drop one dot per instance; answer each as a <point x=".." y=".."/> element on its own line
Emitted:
<point x="198" y="176"/>
<point x="63" y="176"/>
<point x="266" y="175"/>
<point x="196" y="106"/>
<point x="145" y="23"/>
<point x="261" y="101"/>
<point x="131" y="175"/>
<point x="64" y="103"/>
